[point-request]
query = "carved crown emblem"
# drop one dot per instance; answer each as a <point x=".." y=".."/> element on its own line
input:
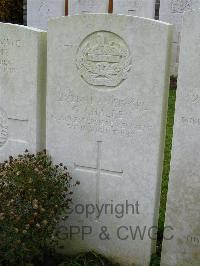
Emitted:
<point x="103" y="59"/>
<point x="3" y="127"/>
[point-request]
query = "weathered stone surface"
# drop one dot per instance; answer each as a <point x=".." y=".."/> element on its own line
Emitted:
<point x="106" y="111"/>
<point x="40" y="11"/>
<point x="141" y="8"/>
<point x="87" y="6"/>
<point x="183" y="209"/>
<point x="22" y="89"/>
<point x="171" y="11"/>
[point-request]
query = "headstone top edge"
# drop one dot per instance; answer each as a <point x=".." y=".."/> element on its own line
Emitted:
<point x="17" y="26"/>
<point x="113" y="16"/>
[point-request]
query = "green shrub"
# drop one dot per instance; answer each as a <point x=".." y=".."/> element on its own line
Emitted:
<point x="33" y="195"/>
<point x="87" y="259"/>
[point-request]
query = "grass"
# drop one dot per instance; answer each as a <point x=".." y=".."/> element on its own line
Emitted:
<point x="165" y="176"/>
<point x="167" y="158"/>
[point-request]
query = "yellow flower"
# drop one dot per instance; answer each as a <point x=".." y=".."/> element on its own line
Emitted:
<point x="45" y="222"/>
<point x="35" y="204"/>
<point x="38" y="226"/>
<point x="2" y="216"/>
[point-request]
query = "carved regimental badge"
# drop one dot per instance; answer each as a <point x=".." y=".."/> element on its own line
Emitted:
<point x="3" y="128"/>
<point x="179" y="6"/>
<point x="103" y="59"/>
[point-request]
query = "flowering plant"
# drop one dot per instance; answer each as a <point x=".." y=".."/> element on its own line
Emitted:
<point x="34" y="193"/>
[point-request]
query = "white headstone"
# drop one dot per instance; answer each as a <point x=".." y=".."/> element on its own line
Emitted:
<point x="141" y="8"/>
<point x="88" y="6"/>
<point x="106" y="111"/>
<point x="183" y="209"/>
<point x="40" y="11"/>
<point x="22" y="89"/>
<point x="171" y="11"/>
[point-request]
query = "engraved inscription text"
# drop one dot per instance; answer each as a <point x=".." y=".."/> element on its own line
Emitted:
<point x="179" y="6"/>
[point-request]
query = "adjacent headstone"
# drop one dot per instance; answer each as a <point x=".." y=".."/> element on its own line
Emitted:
<point x="25" y="12"/>
<point x="40" y="11"/>
<point x="183" y="209"/>
<point x="171" y="11"/>
<point x="87" y="6"/>
<point x="141" y="8"/>
<point x="22" y="89"/>
<point x="106" y="112"/>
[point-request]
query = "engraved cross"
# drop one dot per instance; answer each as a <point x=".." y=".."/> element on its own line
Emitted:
<point x="98" y="170"/>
